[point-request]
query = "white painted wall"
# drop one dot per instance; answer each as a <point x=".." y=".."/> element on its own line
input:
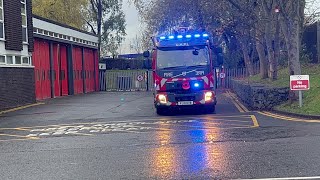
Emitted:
<point x="37" y="23"/>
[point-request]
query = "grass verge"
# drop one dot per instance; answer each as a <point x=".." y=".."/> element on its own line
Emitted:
<point x="311" y="98"/>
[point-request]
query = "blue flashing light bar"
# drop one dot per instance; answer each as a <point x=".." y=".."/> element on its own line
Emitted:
<point x="182" y="40"/>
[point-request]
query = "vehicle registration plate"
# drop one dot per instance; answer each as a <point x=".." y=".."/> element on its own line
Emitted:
<point x="184" y="103"/>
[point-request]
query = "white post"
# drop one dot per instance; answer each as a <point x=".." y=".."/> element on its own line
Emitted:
<point x="300" y="98"/>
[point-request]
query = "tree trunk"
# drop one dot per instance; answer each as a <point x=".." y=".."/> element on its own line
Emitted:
<point x="291" y="33"/>
<point x="271" y="58"/>
<point x="261" y="54"/>
<point x="294" y="48"/>
<point x="277" y="45"/>
<point x="247" y="59"/>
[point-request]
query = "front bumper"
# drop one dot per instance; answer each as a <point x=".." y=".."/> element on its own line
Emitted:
<point x="194" y="99"/>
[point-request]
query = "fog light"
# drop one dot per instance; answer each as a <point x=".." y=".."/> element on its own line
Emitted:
<point x="162" y="99"/>
<point x="208" y="96"/>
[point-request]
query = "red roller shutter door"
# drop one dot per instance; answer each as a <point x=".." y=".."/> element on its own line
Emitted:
<point x="96" y="68"/>
<point x="64" y="70"/>
<point x="77" y="69"/>
<point x="37" y="69"/>
<point x="92" y="59"/>
<point x="56" y="70"/>
<point x="41" y="61"/>
<point x="45" y="64"/>
<point x="86" y="69"/>
<point x="89" y="59"/>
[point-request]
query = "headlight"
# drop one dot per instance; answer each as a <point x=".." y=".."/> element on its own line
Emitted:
<point x="208" y="96"/>
<point x="162" y="99"/>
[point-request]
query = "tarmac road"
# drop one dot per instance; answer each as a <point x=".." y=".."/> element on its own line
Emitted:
<point x="117" y="135"/>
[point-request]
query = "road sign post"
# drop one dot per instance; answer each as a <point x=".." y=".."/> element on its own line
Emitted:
<point x="300" y="98"/>
<point x="299" y="83"/>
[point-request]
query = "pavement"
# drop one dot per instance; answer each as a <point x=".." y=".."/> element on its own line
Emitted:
<point x="117" y="135"/>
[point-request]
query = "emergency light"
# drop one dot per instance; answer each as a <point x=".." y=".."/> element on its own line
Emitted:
<point x="188" y="36"/>
<point x="175" y="40"/>
<point x="196" y="85"/>
<point x="197" y="35"/>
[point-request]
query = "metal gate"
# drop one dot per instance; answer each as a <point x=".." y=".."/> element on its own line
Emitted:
<point x="224" y="76"/>
<point x="127" y="80"/>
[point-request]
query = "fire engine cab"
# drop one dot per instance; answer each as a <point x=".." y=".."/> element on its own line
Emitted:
<point x="183" y="74"/>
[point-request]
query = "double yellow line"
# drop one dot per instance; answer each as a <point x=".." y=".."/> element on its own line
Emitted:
<point x="236" y="102"/>
<point x="287" y="118"/>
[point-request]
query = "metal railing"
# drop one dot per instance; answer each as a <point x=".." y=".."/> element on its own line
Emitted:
<point x="128" y="80"/>
<point x="141" y="80"/>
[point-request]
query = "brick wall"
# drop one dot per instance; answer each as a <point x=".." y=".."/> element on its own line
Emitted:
<point x="16" y="87"/>
<point x="13" y="25"/>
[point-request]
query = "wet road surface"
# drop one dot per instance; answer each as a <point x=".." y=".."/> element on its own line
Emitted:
<point x="113" y="135"/>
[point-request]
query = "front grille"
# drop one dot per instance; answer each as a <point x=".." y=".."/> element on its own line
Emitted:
<point x="185" y="98"/>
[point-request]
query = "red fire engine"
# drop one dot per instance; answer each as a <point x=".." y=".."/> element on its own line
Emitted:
<point x="183" y="71"/>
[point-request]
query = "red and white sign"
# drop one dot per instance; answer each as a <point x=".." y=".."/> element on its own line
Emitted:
<point x="140" y="78"/>
<point x="222" y="75"/>
<point x="299" y="82"/>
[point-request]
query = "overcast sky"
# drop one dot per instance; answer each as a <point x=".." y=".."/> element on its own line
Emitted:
<point x="133" y="24"/>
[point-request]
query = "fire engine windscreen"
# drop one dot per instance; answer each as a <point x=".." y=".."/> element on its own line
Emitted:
<point x="182" y="57"/>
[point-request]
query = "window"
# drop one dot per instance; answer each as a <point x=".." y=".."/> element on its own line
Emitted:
<point x="9" y="59"/>
<point x="30" y="61"/>
<point x="15" y="60"/>
<point x="18" y="60"/>
<point x="2" y="59"/>
<point x="24" y="21"/>
<point x="1" y="20"/>
<point x="25" y="60"/>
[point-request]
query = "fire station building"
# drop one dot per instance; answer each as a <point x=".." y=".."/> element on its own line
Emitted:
<point x="42" y="59"/>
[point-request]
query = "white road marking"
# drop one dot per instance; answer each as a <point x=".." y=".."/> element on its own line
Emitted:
<point x="32" y="135"/>
<point x="44" y="134"/>
<point x="87" y="128"/>
<point x="58" y="133"/>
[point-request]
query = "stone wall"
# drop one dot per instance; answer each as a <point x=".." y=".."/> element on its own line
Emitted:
<point x="259" y="97"/>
